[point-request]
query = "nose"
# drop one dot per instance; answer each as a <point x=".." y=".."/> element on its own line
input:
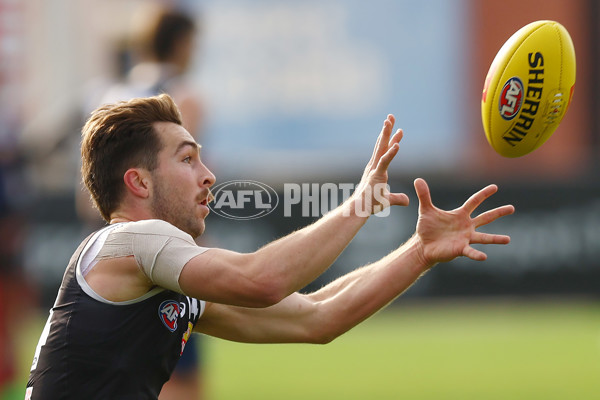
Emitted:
<point x="207" y="178"/>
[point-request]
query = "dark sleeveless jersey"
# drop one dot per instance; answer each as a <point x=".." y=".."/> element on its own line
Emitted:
<point x="100" y="350"/>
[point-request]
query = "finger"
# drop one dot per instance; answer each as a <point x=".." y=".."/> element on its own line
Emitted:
<point x="489" y="238"/>
<point x="386" y="159"/>
<point x="397" y="137"/>
<point x="374" y="155"/>
<point x="475" y="200"/>
<point x="492" y="215"/>
<point x="474" y="254"/>
<point x="395" y="140"/>
<point x="385" y="134"/>
<point x="423" y="194"/>
<point x="381" y="145"/>
<point x="398" y="199"/>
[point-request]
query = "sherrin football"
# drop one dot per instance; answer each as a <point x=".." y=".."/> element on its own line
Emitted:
<point x="528" y="88"/>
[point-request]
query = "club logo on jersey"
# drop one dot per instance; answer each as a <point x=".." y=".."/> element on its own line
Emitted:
<point x="511" y="98"/>
<point x="168" y="312"/>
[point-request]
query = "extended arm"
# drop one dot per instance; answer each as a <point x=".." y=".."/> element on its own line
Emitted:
<point x="321" y="316"/>
<point x="324" y="315"/>
<point x="273" y="272"/>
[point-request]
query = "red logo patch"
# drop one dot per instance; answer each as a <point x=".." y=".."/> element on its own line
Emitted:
<point x="168" y="312"/>
<point x="511" y="98"/>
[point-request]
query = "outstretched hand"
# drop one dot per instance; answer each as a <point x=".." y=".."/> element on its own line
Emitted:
<point x="445" y="235"/>
<point x="372" y="192"/>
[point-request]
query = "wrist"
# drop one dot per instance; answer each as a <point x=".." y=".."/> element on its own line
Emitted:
<point x="418" y="248"/>
<point x="355" y="207"/>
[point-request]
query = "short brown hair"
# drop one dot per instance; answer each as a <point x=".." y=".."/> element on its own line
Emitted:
<point x="121" y="136"/>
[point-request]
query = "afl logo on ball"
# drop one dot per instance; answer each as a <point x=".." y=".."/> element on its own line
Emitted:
<point x="511" y="98"/>
<point x="168" y="312"/>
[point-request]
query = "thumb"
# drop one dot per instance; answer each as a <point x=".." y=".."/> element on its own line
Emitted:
<point x="399" y="199"/>
<point x="424" y="195"/>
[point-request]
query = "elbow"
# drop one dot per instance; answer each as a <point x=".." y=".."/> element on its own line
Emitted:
<point x="324" y="331"/>
<point x="268" y="298"/>
<point x="266" y="295"/>
<point x="324" y="338"/>
<point x="264" y="287"/>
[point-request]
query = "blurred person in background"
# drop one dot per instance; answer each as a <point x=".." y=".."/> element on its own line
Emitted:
<point x="161" y="48"/>
<point x="135" y="290"/>
<point x="17" y="293"/>
<point x="162" y="51"/>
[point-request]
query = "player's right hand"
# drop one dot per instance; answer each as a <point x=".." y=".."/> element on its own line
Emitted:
<point x="372" y="194"/>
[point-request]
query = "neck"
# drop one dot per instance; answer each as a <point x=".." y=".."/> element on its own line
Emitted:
<point x="116" y="220"/>
<point x="117" y="217"/>
<point x="130" y="214"/>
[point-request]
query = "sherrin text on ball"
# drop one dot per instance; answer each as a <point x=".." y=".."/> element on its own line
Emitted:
<point x="528" y="88"/>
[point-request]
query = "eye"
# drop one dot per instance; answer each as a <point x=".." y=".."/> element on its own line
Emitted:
<point x="187" y="159"/>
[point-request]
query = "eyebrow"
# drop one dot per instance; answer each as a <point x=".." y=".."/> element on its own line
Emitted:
<point x="188" y="143"/>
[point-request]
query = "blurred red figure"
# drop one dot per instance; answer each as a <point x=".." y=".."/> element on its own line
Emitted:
<point x="17" y="294"/>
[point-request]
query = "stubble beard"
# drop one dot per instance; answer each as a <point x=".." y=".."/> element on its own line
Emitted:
<point x="171" y="209"/>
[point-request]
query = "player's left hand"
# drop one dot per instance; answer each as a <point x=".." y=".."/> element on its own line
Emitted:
<point x="445" y="235"/>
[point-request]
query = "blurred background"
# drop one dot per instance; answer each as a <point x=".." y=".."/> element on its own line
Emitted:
<point x="293" y="92"/>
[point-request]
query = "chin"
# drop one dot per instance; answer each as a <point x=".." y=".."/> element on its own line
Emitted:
<point x="194" y="230"/>
<point x="198" y="231"/>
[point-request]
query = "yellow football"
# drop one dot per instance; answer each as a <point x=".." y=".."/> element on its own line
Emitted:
<point x="528" y="88"/>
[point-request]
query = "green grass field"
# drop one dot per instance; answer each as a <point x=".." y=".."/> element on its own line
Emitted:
<point x="456" y="350"/>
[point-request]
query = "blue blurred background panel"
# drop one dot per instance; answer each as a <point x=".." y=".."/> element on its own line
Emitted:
<point x="306" y="85"/>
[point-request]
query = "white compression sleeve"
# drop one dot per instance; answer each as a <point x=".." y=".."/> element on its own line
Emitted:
<point x="160" y="249"/>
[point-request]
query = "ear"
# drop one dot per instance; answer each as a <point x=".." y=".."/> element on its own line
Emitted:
<point x="138" y="182"/>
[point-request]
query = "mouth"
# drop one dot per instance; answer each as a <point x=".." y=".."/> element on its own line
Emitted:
<point x="206" y="198"/>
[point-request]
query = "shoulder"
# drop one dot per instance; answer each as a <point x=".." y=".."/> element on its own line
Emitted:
<point x="155" y="227"/>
